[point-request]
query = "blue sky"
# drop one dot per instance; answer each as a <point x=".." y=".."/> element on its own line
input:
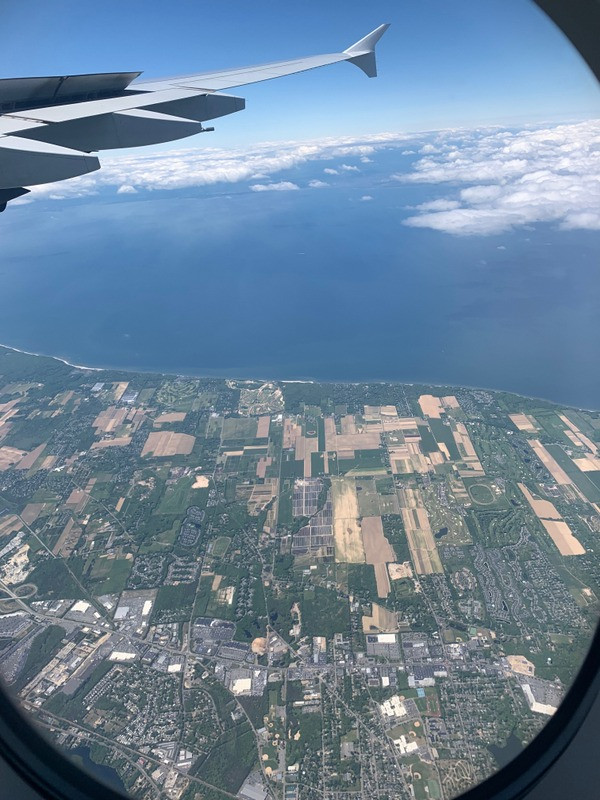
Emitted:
<point x="459" y="63"/>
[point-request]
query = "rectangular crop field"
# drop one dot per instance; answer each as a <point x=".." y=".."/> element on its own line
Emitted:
<point x="378" y="552"/>
<point x="563" y="538"/>
<point x="164" y="444"/>
<point x="346" y="525"/>
<point x="239" y="429"/>
<point x="420" y="541"/>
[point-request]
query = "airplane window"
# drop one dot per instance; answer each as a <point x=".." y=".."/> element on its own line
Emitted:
<point x="299" y="419"/>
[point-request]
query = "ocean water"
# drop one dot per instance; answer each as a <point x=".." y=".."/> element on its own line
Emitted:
<point x="309" y="284"/>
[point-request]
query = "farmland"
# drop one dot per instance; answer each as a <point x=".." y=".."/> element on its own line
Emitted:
<point x="292" y="579"/>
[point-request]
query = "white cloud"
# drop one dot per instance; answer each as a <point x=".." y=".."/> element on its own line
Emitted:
<point x="465" y="222"/>
<point x="491" y="180"/>
<point x="318" y="184"/>
<point x="438" y="205"/>
<point x="22" y="201"/>
<point x="584" y="219"/>
<point x="366" y="160"/>
<point x="365" y="198"/>
<point x="480" y="194"/>
<point x="282" y="186"/>
<point x="521" y="178"/>
<point x="205" y="166"/>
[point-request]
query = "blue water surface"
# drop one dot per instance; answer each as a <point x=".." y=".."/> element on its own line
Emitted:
<point x="305" y="284"/>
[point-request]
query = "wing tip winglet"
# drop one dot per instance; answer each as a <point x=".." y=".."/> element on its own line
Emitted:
<point x="368" y="42"/>
<point x="362" y="53"/>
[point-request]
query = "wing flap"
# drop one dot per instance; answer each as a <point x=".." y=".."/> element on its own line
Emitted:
<point x="93" y="108"/>
<point x="130" y="128"/>
<point x="30" y="92"/>
<point x="10" y="125"/>
<point x="27" y="163"/>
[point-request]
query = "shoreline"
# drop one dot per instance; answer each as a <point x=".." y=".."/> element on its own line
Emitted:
<point x="55" y="358"/>
<point x="296" y="380"/>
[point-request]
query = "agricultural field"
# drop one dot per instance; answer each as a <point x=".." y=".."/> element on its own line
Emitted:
<point x="346" y="525"/>
<point x="224" y="587"/>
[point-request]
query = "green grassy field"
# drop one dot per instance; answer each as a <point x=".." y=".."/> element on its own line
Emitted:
<point x="316" y="464"/>
<point x="443" y="434"/>
<point x="579" y="478"/>
<point x="290" y="468"/>
<point x="203" y="596"/>
<point x="239" y="429"/>
<point x="428" y="442"/>
<point x="175" y="498"/>
<point x="368" y="497"/>
<point x="163" y="540"/>
<point x="554" y="427"/>
<point x="365" y="462"/>
<point x="587" y="424"/>
<point x="483" y="495"/>
<point x="220" y="546"/>
<point x="109" y="575"/>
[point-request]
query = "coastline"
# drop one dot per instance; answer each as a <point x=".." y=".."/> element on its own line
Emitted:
<point x="296" y="380"/>
<point x="55" y="358"/>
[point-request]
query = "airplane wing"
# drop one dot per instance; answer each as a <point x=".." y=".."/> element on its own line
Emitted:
<point x="362" y="53"/>
<point x="49" y="127"/>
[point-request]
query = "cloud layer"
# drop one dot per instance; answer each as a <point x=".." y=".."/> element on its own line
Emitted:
<point x="512" y="179"/>
<point x="485" y="181"/>
<point x="177" y="169"/>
